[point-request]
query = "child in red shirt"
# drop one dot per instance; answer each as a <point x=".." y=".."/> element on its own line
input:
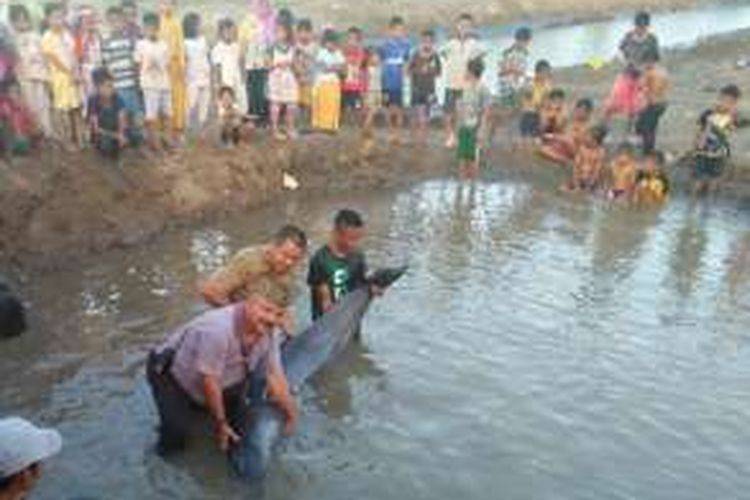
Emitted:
<point x="354" y="82"/>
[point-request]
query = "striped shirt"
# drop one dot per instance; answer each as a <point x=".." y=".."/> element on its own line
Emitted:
<point x="118" y="56"/>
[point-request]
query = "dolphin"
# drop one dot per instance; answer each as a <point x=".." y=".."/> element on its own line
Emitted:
<point x="303" y="356"/>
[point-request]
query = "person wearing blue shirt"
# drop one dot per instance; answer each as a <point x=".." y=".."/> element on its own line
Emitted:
<point x="395" y="53"/>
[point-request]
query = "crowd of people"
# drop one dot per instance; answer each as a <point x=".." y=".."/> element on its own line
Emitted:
<point x="153" y="78"/>
<point x="156" y="78"/>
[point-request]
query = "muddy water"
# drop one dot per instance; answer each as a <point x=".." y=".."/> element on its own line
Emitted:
<point x="541" y="347"/>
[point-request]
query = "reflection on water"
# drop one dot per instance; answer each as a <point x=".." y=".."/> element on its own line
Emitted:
<point x="569" y="45"/>
<point x="546" y="346"/>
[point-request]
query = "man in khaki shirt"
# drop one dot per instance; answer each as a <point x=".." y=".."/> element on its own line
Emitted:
<point x="267" y="271"/>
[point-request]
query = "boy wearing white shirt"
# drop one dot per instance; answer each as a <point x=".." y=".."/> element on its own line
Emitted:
<point x="152" y="57"/>
<point x="198" y="72"/>
<point x="225" y="58"/>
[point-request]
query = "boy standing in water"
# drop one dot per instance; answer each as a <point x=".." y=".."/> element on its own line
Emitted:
<point x="461" y="48"/>
<point x="472" y="114"/>
<point x="339" y="267"/>
<point x="394" y="54"/>
<point x="512" y="76"/>
<point x="712" y="147"/>
<point x="654" y="90"/>
<point x="534" y="97"/>
<point x="513" y="69"/>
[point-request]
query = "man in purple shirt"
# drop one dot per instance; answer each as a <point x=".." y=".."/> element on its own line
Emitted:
<point x="205" y="366"/>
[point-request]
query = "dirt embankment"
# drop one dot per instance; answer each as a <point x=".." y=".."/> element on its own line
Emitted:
<point x="56" y="208"/>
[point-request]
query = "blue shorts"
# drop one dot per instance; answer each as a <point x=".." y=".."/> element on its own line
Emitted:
<point x="393" y="97"/>
<point x="133" y="100"/>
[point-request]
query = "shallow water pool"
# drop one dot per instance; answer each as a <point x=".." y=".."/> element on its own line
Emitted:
<point x="541" y="347"/>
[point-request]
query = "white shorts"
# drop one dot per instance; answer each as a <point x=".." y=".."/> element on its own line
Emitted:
<point x="157" y="103"/>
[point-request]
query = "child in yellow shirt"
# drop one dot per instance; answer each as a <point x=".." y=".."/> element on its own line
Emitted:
<point x="65" y="77"/>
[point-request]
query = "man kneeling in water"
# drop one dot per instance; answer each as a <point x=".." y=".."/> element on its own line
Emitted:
<point x="205" y="366"/>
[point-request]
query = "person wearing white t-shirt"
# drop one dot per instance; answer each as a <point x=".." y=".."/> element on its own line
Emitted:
<point x="463" y="47"/>
<point x="226" y="60"/>
<point x="152" y="58"/>
<point x="198" y="72"/>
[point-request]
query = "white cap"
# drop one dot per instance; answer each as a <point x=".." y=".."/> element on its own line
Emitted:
<point x="23" y="444"/>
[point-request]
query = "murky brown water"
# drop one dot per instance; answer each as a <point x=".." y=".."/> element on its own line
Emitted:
<point x="541" y="348"/>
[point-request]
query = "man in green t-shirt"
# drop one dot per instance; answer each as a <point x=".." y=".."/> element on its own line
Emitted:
<point x="338" y="267"/>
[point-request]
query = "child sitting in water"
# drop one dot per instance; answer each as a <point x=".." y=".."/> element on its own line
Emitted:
<point x="654" y="88"/>
<point x="623" y="172"/>
<point x="553" y="117"/>
<point x="589" y="161"/>
<point x="652" y="184"/>
<point x="712" y="148"/>
<point x="562" y="148"/>
<point x="533" y="98"/>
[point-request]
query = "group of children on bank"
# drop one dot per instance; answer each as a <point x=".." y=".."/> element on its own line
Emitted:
<point x="157" y="78"/>
<point x="630" y="116"/>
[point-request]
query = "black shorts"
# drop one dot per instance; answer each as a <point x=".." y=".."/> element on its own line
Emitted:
<point x="529" y="124"/>
<point x="708" y="168"/>
<point x="351" y="99"/>
<point x="393" y="97"/>
<point x="451" y="99"/>
<point x="648" y="119"/>
<point x="423" y="98"/>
